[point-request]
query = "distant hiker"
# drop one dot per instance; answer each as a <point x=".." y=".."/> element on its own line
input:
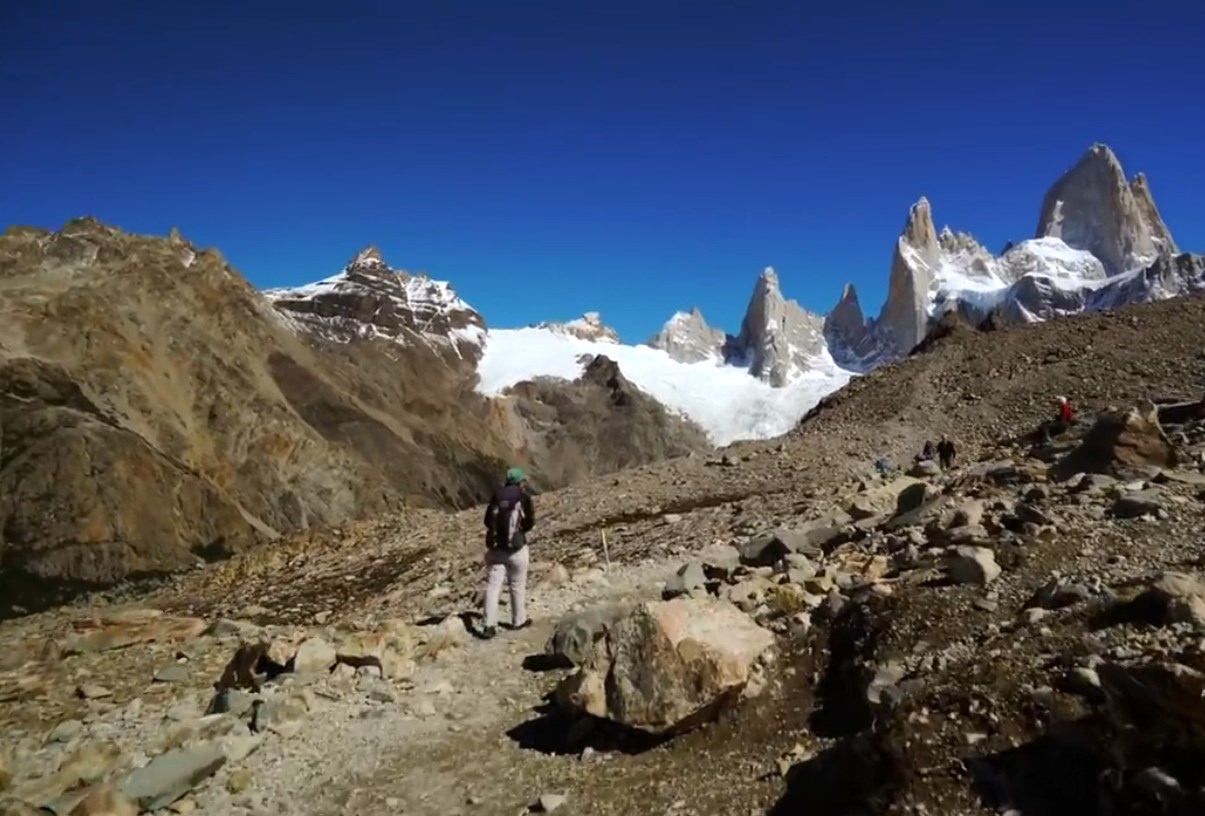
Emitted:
<point x="946" y="452"/>
<point x="929" y="451"/>
<point x="508" y="518"/>
<point x="1066" y="411"/>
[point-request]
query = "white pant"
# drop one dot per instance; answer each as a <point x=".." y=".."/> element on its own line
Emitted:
<point x="512" y="566"/>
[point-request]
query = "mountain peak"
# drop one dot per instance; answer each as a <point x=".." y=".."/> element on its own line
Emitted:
<point x="1092" y="207"/>
<point x="918" y="228"/>
<point x="687" y="338"/>
<point x="778" y="336"/>
<point x="368" y="256"/>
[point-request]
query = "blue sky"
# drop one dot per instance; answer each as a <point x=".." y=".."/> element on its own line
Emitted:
<point x="554" y="157"/>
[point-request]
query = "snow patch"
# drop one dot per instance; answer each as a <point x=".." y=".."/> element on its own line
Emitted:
<point x="725" y="400"/>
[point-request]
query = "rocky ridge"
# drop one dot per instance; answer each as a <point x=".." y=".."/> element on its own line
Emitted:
<point x="157" y="412"/>
<point x="1100" y="244"/>
<point x="777" y="341"/>
<point x="1018" y="631"/>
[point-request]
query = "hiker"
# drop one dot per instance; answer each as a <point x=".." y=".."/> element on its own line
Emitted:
<point x="946" y="452"/>
<point x="1066" y="415"/>
<point x="508" y="518"/>
<point x="929" y="451"/>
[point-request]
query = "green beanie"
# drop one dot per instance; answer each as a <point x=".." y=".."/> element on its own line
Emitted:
<point x="515" y="475"/>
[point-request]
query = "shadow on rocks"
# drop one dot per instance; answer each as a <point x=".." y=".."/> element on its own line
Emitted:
<point x="858" y="775"/>
<point x="1053" y="775"/>
<point x="559" y="733"/>
<point x="851" y="645"/>
<point x="1063" y="772"/>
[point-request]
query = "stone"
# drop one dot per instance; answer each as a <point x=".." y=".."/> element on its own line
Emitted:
<point x="238" y="747"/>
<point x="1056" y="594"/>
<point x="668" y="666"/>
<point x="1136" y="505"/>
<point x="175" y="673"/>
<point x="550" y="802"/>
<point x="128" y="627"/>
<point x="65" y="731"/>
<point x="230" y="701"/>
<point x="924" y="469"/>
<point x="314" y="656"/>
<point x="688" y="578"/>
<point x="105" y="800"/>
<point x="92" y="691"/>
<point x="575" y="633"/>
<point x="1120" y="442"/>
<point x="1174" y="597"/>
<point x="972" y="565"/>
<point x="172" y="775"/>
<point x="240" y="780"/>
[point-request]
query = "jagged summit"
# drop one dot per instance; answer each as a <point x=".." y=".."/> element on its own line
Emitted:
<point x="1093" y="207"/>
<point x="369" y="299"/>
<point x="369" y="256"/>
<point x="687" y="338"/>
<point x="1097" y="233"/>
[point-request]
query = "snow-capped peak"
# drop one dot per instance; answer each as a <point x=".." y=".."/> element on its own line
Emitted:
<point x="368" y="300"/>
<point x="369" y="256"/>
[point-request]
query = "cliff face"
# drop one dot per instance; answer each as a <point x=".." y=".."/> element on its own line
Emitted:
<point x="1092" y="207"/>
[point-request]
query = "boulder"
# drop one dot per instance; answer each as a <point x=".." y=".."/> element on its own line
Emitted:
<point x="170" y="776"/>
<point x="1120" y="441"/>
<point x="668" y="666"/>
<point x="1137" y="504"/>
<point x="689" y="578"/>
<point x="972" y="565"/>
<point x="573" y="638"/>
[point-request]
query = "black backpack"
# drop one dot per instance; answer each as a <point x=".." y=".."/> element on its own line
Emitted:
<point x="504" y="532"/>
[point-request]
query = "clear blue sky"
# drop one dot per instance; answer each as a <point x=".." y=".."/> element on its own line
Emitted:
<point x="554" y="157"/>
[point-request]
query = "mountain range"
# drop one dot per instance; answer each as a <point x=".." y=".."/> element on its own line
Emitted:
<point x="157" y="411"/>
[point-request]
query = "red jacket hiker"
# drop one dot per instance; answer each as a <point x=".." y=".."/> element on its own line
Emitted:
<point x="1066" y="411"/>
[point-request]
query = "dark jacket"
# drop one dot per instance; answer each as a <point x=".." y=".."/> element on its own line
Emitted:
<point x="508" y="494"/>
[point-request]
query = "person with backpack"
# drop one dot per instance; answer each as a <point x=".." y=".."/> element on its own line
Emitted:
<point x="508" y="518"/>
<point x="946" y="452"/>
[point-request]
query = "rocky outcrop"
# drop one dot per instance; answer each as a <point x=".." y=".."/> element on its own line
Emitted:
<point x="598" y="423"/>
<point x="687" y="338"/>
<point x="668" y="666"/>
<point x="778" y="337"/>
<point x="368" y="300"/>
<point x="1120" y="442"/>
<point x="845" y="326"/>
<point x="1092" y="207"/>
<point x="587" y="327"/>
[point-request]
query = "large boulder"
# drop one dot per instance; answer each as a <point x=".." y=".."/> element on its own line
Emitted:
<point x="668" y="666"/>
<point x="573" y="639"/>
<point x="1121" y="441"/>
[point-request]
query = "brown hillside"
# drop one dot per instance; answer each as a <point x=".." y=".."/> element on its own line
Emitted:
<point x="156" y="410"/>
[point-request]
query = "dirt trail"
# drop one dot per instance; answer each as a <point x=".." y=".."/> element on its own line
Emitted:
<point x="462" y="741"/>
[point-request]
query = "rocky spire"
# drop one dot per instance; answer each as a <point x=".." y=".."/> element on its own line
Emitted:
<point x="905" y="313"/>
<point x="1092" y="207"/>
<point x="778" y="336"/>
<point x="687" y="338"/>
<point x="845" y="326"/>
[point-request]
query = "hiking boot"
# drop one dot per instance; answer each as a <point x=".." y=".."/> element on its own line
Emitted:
<point x="489" y="632"/>
<point x="525" y="624"/>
